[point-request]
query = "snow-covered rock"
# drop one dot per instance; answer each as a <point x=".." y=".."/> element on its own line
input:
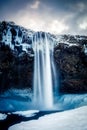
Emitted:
<point x="3" y="116"/>
<point x="14" y="35"/>
<point x="28" y="113"/>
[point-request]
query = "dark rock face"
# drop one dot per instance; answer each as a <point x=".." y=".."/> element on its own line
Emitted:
<point x="16" y="71"/>
<point x="16" y="60"/>
<point x="72" y="64"/>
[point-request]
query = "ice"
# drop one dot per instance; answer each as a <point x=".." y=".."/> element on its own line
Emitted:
<point x="18" y="100"/>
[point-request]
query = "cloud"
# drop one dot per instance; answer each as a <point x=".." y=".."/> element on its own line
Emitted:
<point x="83" y="25"/>
<point x="35" y="5"/>
<point x="78" y="7"/>
<point x="81" y="6"/>
<point x="32" y="19"/>
<point x="57" y="26"/>
<point x="57" y="16"/>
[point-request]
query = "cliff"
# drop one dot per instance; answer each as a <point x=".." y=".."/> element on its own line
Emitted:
<point x="17" y="59"/>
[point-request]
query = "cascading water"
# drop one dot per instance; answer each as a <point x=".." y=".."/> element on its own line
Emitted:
<point x="44" y="70"/>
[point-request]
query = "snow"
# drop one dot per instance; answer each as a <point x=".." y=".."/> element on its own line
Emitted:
<point x="61" y="39"/>
<point x="25" y="47"/>
<point x="18" y="39"/>
<point x="28" y="113"/>
<point x="75" y="119"/>
<point x="85" y="49"/>
<point x="3" y="116"/>
<point x="7" y="37"/>
<point x="70" y="40"/>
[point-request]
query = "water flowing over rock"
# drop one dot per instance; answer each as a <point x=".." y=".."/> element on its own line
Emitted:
<point x="44" y="70"/>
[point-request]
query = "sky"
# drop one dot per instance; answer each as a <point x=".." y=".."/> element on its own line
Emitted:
<point x="54" y="16"/>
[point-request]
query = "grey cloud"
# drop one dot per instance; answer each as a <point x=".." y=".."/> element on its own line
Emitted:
<point x="70" y="12"/>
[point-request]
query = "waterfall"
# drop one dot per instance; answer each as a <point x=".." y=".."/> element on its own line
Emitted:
<point x="44" y="69"/>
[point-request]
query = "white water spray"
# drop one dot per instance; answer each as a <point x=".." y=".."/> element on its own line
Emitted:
<point x="43" y="69"/>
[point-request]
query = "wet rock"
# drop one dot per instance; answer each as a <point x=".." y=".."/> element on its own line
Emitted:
<point x="72" y="63"/>
<point x="16" y="71"/>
